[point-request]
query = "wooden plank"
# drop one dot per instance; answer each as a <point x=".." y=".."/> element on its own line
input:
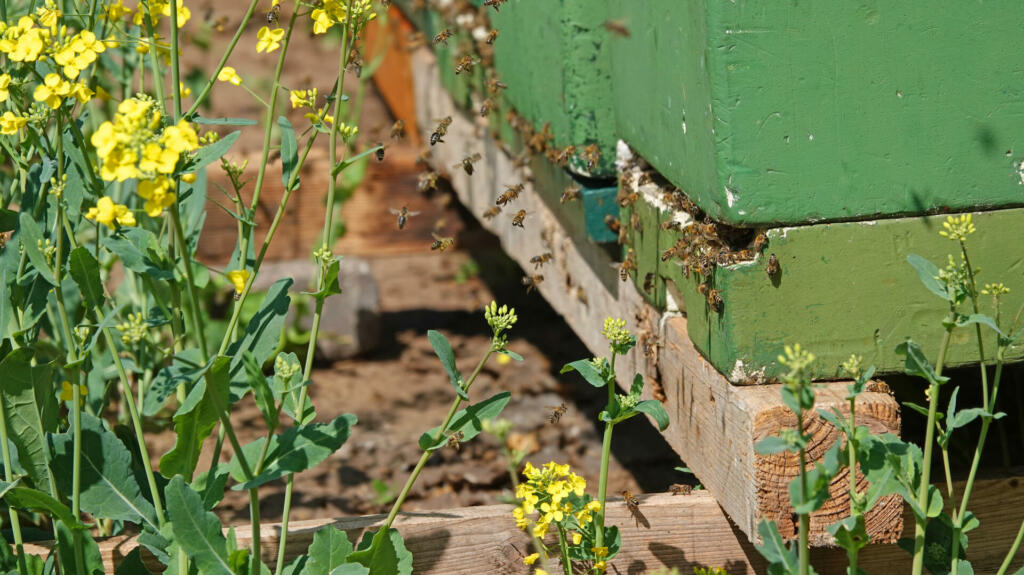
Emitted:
<point x="387" y="39"/>
<point x="715" y="424"/>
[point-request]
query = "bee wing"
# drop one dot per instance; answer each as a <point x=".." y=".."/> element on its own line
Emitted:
<point x="475" y="158"/>
<point x="396" y="212"/>
<point x="411" y="214"/>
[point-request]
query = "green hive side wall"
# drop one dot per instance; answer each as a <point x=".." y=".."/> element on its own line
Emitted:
<point x="802" y="112"/>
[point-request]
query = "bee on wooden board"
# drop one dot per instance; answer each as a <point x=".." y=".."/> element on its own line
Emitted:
<point x="627" y="198"/>
<point x="380" y="151"/>
<point x="274" y="14"/>
<point x="440" y="130"/>
<point x="467" y="163"/>
<point x="465" y="64"/>
<point x="651" y="345"/>
<point x="491" y="37"/>
<point x="455" y="439"/>
<point x="571" y="193"/>
<point x="557" y="413"/>
<point x="518" y="218"/>
<point x="441" y="243"/>
<point x="634" y="221"/>
<point x="772" y="268"/>
<point x="492" y="213"/>
<point x="398" y="130"/>
<point x="542" y="259"/>
<point x="617" y="28"/>
<point x="591" y="155"/>
<point x="649" y="282"/>
<point x="531" y="282"/>
<point x="644" y="179"/>
<point x="628" y="264"/>
<point x="715" y="300"/>
<point x="760" y="242"/>
<point x="563" y="155"/>
<point x="680" y="489"/>
<point x="427" y="181"/>
<point x="486" y="107"/>
<point x="510" y="194"/>
<point x="742" y="256"/>
<point x="403" y="215"/>
<point x="442" y="37"/>
<point x="495" y="85"/>
<point x="633" y="504"/>
<point x="613" y="223"/>
<point x="496" y="4"/>
<point x="672" y="225"/>
<point x="581" y="295"/>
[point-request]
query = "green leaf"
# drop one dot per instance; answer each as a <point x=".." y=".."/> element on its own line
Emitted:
<point x="337" y="169"/>
<point x="132" y="564"/>
<point x="8" y="220"/>
<point x="333" y="282"/>
<point x="444" y="352"/>
<point x="66" y="549"/>
<point x="774" y="549"/>
<point x="108" y="488"/>
<point x="196" y="530"/>
<point x="261" y="390"/>
<point x="917" y="364"/>
<point x="211" y="153"/>
<point x="289" y="152"/>
<point x="31" y="238"/>
<point x="383" y="553"/>
<point x="638" y="386"/>
<point x="35" y="500"/>
<point x="195" y="420"/>
<point x="771" y="445"/>
<point x="303" y="447"/>
<point x="655" y="410"/>
<point x="587" y="370"/>
<point x="31" y="408"/>
<point x="210" y="485"/>
<point x="224" y="121"/>
<point x="468" y="421"/>
<point x="511" y="354"/>
<point x="329" y="549"/>
<point x="85" y="270"/>
<point x="850" y="533"/>
<point x="979" y="318"/>
<point x="929" y="275"/>
<point x="262" y="334"/>
<point x="351" y="569"/>
<point x="185" y="367"/>
<point x="140" y="252"/>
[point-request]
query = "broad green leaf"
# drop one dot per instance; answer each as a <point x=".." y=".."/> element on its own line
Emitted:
<point x="66" y="549"/>
<point x="850" y="533"/>
<point x="817" y="482"/>
<point x="929" y="275"/>
<point x="211" y="153"/>
<point x="8" y="220"/>
<point x="934" y="502"/>
<point x="140" y="252"/>
<point x="195" y="420"/>
<point x="108" y="489"/>
<point x="329" y="549"/>
<point x="132" y="564"/>
<point x="297" y="566"/>
<point x="979" y="318"/>
<point x="511" y="354"/>
<point x="771" y="445"/>
<point x="31" y="239"/>
<point x="224" y="121"/>
<point x="196" y="530"/>
<point x="468" y="422"/>
<point x="774" y="549"/>
<point x="289" y="151"/>
<point x="654" y="408"/>
<point x="262" y="334"/>
<point x="916" y="363"/>
<point x="210" y="485"/>
<point x="383" y="553"/>
<point x="303" y="447"/>
<point x="261" y="390"/>
<point x="35" y="500"/>
<point x="444" y="352"/>
<point x="186" y="367"/>
<point x="587" y="370"/>
<point x="638" y="386"/>
<point x="85" y="270"/>
<point x="31" y="408"/>
<point x="332" y="279"/>
<point x="350" y="569"/>
<point x="251" y="451"/>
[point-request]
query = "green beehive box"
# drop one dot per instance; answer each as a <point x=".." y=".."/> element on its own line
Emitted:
<point x="553" y="56"/>
<point x="772" y="113"/>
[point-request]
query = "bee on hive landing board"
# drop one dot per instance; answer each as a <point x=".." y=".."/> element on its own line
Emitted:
<point x="627" y="198"/>
<point x="562" y="156"/>
<point x="531" y="282"/>
<point x="581" y="295"/>
<point x="649" y="282"/>
<point x="442" y="36"/>
<point x="540" y="260"/>
<point x="495" y="85"/>
<point x="633" y="504"/>
<point x="403" y="215"/>
<point x="398" y="130"/>
<point x="680" y="489"/>
<point x="571" y="193"/>
<point x="635" y="223"/>
<point x="628" y="264"/>
<point x="518" y="218"/>
<point x="492" y="212"/>
<point x="591" y="155"/>
<point x="773" y="266"/>
<point x="715" y="299"/>
<point x="467" y="163"/>
<point x="441" y="243"/>
<point x="440" y="130"/>
<point x="510" y="194"/>
<point x="496" y="4"/>
<point x="760" y="242"/>
<point x="557" y="413"/>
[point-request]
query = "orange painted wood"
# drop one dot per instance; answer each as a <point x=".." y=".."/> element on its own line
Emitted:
<point x="387" y="37"/>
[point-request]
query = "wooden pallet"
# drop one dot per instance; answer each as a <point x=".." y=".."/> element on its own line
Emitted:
<point x="715" y="424"/>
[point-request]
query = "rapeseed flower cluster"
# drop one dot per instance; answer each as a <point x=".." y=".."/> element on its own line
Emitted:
<point x="331" y="12"/>
<point x="547" y="492"/>
<point x="108" y="213"/>
<point x="614" y="330"/>
<point x="957" y="227"/>
<point x="136" y="144"/>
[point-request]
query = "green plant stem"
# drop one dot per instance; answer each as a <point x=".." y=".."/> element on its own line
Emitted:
<point x="1012" y="552"/>
<point x="563" y="546"/>
<point x="606" y="450"/>
<point x="223" y="60"/>
<point x="19" y="543"/>
<point x="929" y="440"/>
<point x="855" y="503"/>
<point x="804" y="549"/>
<point x="397" y="505"/>
<point x="197" y="324"/>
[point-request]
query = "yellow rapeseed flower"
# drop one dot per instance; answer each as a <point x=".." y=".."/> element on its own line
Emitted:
<point x="5" y="83"/>
<point x="229" y="75"/>
<point x="25" y="42"/>
<point x="107" y="213"/>
<point x="52" y="91"/>
<point x="957" y="228"/>
<point x="158" y="195"/>
<point x="531" y="558"/>
<point x="10" y="123"/>
<point x="269" y="40"/>
<point x="238" y="278"/>
<point x="67" y="391"/>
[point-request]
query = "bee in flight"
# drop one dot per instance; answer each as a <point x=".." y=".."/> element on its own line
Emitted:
<point x="275" y="12"/>
<point x="398" y="130"/>
<point x="496" y="4"/>
<point x="510" y="194"/>
<point x="403" y="215"/>
<point x="492" y="212"/>
<point x="519" y="218"/>
<point x="441" y="243"/>
<point x="492" y="36"/>
<point x="442" y="37"/>
<point x="494" y="85"/>
<point x="542" y="259"/>
<point x="455" y="439"/>
<point x="465" y="64"/>
<point x="562" y="156"/>
<point x="628" y="265"/>
<point x="467" y="163"/>
<point x="531" y="282"/>
<point x="380" y="151"/>
<point x="571" y="193"/>
<point x="427" y="181"/>
<point x="557" y="413"/>
<point x="592" y="155"/>
<point x="486" y="107"/>
<point x="633" y="504"/>
<point x="441" y="130"/>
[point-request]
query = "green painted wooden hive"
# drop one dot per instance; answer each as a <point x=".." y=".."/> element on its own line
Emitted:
<point x="773" y="113"/>
<point x="553" y="56"/>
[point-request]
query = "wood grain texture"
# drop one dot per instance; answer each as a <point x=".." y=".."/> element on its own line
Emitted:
<point x="715" y="424"/>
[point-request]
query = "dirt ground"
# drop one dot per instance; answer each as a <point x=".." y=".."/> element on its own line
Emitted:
<point x="401" y="390"/>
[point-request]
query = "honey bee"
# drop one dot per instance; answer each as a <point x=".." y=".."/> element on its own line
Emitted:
<point x="581" y="295"/>
<point x="427" y="181"/>
<point x="441" y="243"/>
<point x="491" y="213"/>
<point x="465" y="64"/>
<point x="442" y="37"/>
<point x="424" y="158"/>
<point x="571" y="193"/>
<point x="486" y="107"/>
<point x="531" y="282"/>
<point x="496" y="4"/>
<point x="557" y="413"/>
<point x="617" y="28"/>
<point x="613" y="223"/>
<point x="517" y="220"/>
<point x="495" y="85"/>
<point x="539" y="141"/>
<point x="510" y="194"/>
<point x="414" y="40"/>
<point x="591" y="155"/>
<point x="634" y="221"/>
<point x="742" y="256"/>
<point x="627" y="199"/>
<point x="715" y="300"/>
<point x="706" y="229"/>
<point x="671" y="225"/>
<point x="355" y="64"/>
<point x="562" y="156"/>
<point x="651" y="344"/>
<point x="760" y="242"/>
<point x="773" y="266"/>
<point x="623" y="238"/>
<point x="275" y="12"/>
<point x="542" y="259"/>
<point x="398" y="130"/>
<point x="441" y="130"/>
<point x="724" y="257"/>
<point x="644" y="179"/>
<point x="649" y="282"/>
<point x="455" y="439"/>
<point x="702" y="288"/>
<point x="704" y="266"/>
<point x="467" y="163"/>
<point x="403" y="215"/>
<point x="628" y="264"/>
<point x="380" y="151"/>
<point x="633" y="504"/>
<point x="680" y="489"/>
<point x="491" y="37"/>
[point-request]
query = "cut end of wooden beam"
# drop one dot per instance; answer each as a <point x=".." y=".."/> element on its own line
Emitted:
<point x="878" y="411"/>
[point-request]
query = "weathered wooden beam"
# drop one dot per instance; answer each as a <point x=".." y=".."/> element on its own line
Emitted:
<point x="715" y="424"/>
